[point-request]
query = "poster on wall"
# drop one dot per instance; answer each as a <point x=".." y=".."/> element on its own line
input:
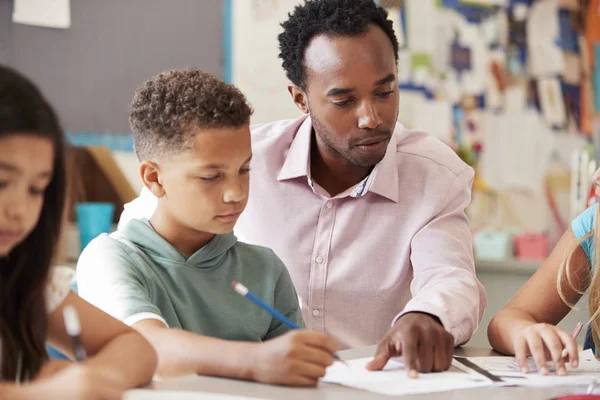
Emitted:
<point x="254" y="64"/>
<point x="43" y="13"/>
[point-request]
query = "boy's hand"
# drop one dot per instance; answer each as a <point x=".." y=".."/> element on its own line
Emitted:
<point x="298" y="358"/>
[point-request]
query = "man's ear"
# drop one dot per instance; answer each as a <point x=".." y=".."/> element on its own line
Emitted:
<point x="300" y="97"/>
<point x="150" y="174"/>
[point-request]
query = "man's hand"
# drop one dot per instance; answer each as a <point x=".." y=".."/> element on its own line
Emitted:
<point x="423" y="342"/>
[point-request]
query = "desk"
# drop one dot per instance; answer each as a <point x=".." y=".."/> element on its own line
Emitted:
<point x="327" y="391"/>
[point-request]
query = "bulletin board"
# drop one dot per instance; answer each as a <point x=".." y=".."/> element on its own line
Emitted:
<point x="509" y="84"/>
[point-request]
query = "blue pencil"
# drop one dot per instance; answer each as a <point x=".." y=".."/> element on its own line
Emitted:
<point x="243" y="290"/>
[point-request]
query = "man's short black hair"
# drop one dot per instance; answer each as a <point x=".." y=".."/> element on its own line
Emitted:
<point x="332" y="17"/>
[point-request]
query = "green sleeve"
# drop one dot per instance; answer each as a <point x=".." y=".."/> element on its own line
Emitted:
<point x="110" y="278"/>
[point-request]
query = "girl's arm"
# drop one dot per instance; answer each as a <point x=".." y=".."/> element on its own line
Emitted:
<point x="110" y="344"/>
<point x="527" y="321"/>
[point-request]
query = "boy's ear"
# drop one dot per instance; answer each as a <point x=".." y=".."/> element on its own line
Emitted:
<point x="299" y="97"/>
<point x="150" y="173"/>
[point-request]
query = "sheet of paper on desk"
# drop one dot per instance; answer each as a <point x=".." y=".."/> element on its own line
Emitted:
<point x="508" y="370"/>
<point x="393" y="380"/>
<point x="146" y="394"/>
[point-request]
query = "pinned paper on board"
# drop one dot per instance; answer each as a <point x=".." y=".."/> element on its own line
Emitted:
<point x="435" y="117"/>
<point x="473" y="79"/>
<point x="551" y="101"/>
<point x="421" y="17"/>
<point x="43" y="13"/>
<point x="394" y="15"/>
<point x="522" y="145"/>
<point x="543" y="31"/>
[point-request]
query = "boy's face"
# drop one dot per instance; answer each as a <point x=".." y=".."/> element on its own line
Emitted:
<point x="206" y="187"/>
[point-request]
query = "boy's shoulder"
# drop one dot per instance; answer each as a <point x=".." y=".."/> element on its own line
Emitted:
<point x="259" y="257"/>
<point x="108" y="251"/>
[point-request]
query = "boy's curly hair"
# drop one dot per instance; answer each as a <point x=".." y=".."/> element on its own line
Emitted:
<point x="169" y="109"/>
<point x="331" y="17"/>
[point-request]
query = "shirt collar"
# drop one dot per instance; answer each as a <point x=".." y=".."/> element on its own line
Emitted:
<point x="383" y="180"/>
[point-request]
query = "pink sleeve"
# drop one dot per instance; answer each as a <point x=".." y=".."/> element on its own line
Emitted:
<point x="444" y="282"/>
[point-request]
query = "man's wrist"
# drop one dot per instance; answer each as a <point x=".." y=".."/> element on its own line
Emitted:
<point x="434" y="317"/>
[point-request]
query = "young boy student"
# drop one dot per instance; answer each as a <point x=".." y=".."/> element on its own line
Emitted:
<point x="33" y="294"/>
<point x="170" y="277"/>
<point x="527" y="324"/>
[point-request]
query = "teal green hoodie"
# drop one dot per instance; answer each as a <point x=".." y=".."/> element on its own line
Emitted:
<point x="135" y="274"/>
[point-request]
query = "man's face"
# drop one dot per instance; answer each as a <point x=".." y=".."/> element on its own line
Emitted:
<point x="351" y="94"/>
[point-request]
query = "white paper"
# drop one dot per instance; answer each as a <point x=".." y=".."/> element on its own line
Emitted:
<point x="412" y="101"/>
<point x="394" y="16"/>
<point x="146" y="394"/>
<point x="473" y="80"/>
<point x="494" y="99"/>
<point x="508" y="370"/>
<point x="522" y="145"/>
<point x="393" y="380"/>
<point x="435" y="118"/>
<point x="254" y="47"/>
<point x="545" y="57"/>
<point x="421" y="21"/>
<point x="551" y="101"/>
<point x="404" y="72"/>
<point x="486" y="2"/>
<point x="45" y="13"/>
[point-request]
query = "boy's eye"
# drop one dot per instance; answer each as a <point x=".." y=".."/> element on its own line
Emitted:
<point x="245" y="170"/>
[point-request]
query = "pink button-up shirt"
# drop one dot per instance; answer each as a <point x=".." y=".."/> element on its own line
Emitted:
<point x="397" y="242"/>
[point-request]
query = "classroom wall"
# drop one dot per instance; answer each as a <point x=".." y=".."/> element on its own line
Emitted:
<point x="90" y="71"/>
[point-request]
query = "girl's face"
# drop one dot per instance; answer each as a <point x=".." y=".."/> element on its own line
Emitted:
<point x="26" y="166"/>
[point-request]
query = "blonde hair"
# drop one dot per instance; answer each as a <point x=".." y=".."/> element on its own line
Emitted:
<point x="592" y="281"/>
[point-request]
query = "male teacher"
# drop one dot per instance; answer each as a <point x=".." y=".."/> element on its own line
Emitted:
<point x="368" y="217"/>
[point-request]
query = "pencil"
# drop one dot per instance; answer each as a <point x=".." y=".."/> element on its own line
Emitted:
<point x="243" y="290"/>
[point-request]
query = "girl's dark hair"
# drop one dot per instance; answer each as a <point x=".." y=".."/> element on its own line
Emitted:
<point x="24" y="272"/>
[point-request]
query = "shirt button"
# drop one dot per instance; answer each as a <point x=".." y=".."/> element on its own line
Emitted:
<point x="328" y="204"/>
<point x="316" y="312"/>
<point x="319" y="260"/>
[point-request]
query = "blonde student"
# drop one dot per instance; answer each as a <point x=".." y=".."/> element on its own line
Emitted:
<point x="32" y="293"/>
<point x="170" y="277"/>
<point x="527" y="324"/>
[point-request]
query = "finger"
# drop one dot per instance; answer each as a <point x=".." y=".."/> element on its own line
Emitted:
<point x="111" y="394"/>
<point x="570" y="349"/>
<point x="450" y="346"/>
<point x="536" y="348"/>
<point x="520" y="347"/>
<point x="442" y="354"/>
<point x="555" y="347"/>
<point x="382" y="355"/>
<point x="320" y="340"/>
<point x="308" y="370"/>
<point x="302" y="381"/>
<point x="410" y="348"/>
<point x="315" y="355"/>
<point x="426" y="349"/>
